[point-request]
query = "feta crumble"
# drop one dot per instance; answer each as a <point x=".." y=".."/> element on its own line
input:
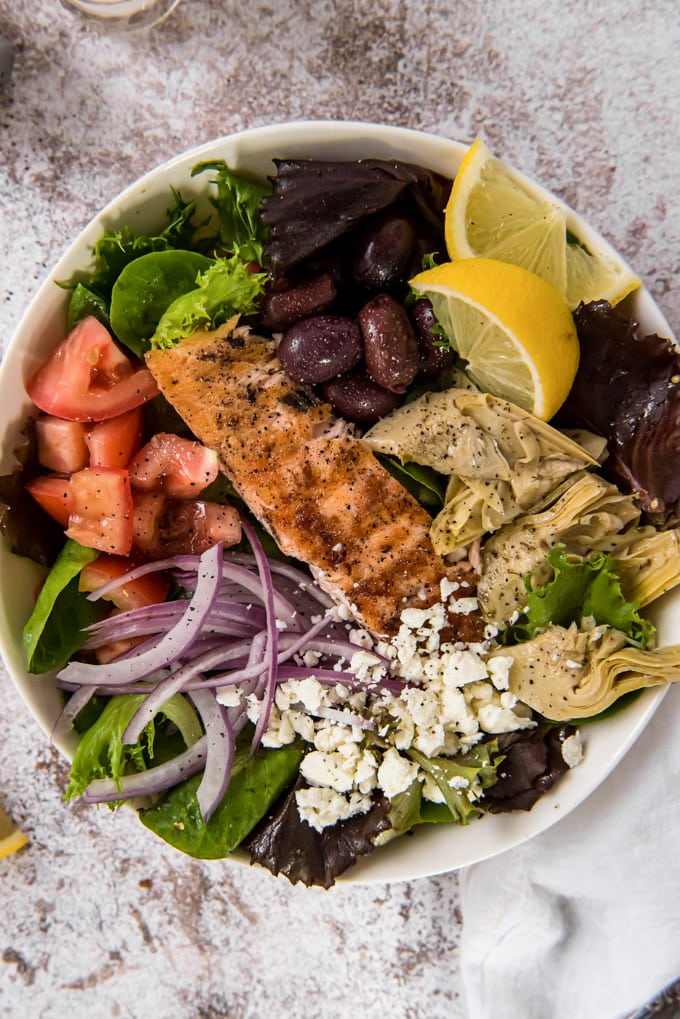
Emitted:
<point x="453" y="694"/>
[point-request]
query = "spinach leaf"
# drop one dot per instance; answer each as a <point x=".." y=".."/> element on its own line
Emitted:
<point x="242" y="232"/>
<point x="425" y="484"/>
<point x="223" y="290"/>
<point x="256" y="783"/>
<point x="85" y="302"/>
<point x="146" y="288"/>
<point x="116" y="248"/>
<point x="55" y="628"/>
<point x="101" y="752"/>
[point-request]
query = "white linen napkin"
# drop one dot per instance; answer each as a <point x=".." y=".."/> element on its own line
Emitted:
<point x="584" y="920"/>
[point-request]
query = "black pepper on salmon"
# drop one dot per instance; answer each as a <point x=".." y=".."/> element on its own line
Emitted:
<point x="316" y="487"/>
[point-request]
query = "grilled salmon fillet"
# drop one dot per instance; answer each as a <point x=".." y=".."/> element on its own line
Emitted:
<point x="316" y="488"/>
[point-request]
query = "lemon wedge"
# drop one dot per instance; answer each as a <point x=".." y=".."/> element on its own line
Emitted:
<point x="11" y="837"/>
<point x="514" y="330"/>
<point x="496" y="212"/>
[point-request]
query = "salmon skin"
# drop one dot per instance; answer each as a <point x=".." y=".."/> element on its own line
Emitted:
<point x="317" y="488"/>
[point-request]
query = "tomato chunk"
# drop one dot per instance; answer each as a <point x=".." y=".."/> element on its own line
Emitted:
<point x="61" y="444"/>
<point x="88" y="377"/>
<point x="147" y="513"/>
<point x="181" y="468"/>
<point x="101" y="515"/>
<point x="113" y="443"/>
<point x="53" y="493"/>
<point x="181" y="527"/>
<point x="133" y="594"/>
<point x="192" y="527"/>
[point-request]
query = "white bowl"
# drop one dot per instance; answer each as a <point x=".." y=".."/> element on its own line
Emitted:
<point x="431" y="850"/>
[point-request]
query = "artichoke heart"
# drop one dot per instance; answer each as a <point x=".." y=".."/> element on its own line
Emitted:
<point x="588" y="515"/>
<point x="500" y="459"/>
<point x="570" y="673"/>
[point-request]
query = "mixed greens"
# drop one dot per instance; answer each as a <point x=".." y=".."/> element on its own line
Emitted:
<point x="323" y="239"/>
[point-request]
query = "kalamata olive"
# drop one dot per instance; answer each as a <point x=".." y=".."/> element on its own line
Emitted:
<point x="383" y="250"/>
<point x="432" y="358"/>
<point x="390" y="345"/>
<point x="281" y="308"/>
<point x="319" y="348"/>
<point x="358" y="398"/>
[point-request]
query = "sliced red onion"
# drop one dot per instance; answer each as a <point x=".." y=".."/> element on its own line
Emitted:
<point x="180" y="562"/>
<point x="344" y="717"/>
<point x="173" y="684"/>
<point x="272" y="647"/>
<point x="235" y="573"/>
<point x="124" y="670"/>
<point x="148" y="783"/>
<point x="220" y="752"/>
<point x="226" y="634"/>
<point x="230" y="620"/>
<point x="75" y="704"/>
<point x="301" y="580"/>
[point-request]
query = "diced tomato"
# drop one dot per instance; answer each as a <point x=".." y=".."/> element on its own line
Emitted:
<point x="101" y="515"/>
<point x="88" y="377"/>
<point x="53" y="493"/>
<point x="108" y="652"/>
<point x="114" y="442"/>
<point x="146" y="516"/>
<point x="133" y="594"/>
<point x="179" y="467"/>
<point x="182" y="527"/>
<point x="192" y="527"/>
<point x="61" y="444"/>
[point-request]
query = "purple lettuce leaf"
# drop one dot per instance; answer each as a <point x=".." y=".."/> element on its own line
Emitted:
<point x="314" y="203"/>
<point x="26" y="528"/>
<point x="627" y="389"/>
<point x="285" y="844"/>
<point x="532" y="763"/>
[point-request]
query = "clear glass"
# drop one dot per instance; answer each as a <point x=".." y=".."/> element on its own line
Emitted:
<point x="122" y="15"/>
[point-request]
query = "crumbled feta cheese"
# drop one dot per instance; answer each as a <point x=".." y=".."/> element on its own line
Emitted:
<point x="456" y="713"/>
<point x="459" y="782"/>
<point x="279" y="731"/>
<point x="429" y="740"/>
<point x="447" y="588"/>
<point x="463" y="667"/>
<point x="309" y="693"/>
<point x="253" y="708"/>
<point x="572" y="750"/>
<point x="423" y="705"/>
<point x="464" y="605"/>
<point x="495" y="718"/>
<point x="327" y="768"/>
<point x="431" y="790"/>
<point x="229" y="696"/>
<point x="321" y="808"/>
<point x="366" y="772"/>
<point x="499" y="671"/>
<point x="365" y="666"/>
<point x="329" y="735"/>
<point x="303" y="725"/>
<point x="310" y="658"/>
<point x="396" y="773"/>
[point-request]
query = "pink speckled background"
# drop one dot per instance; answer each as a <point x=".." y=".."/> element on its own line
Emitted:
<point x="98" y="919"/>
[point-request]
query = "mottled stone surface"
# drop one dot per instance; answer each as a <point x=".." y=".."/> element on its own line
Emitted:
<point x="99" y="919"/>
